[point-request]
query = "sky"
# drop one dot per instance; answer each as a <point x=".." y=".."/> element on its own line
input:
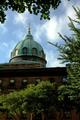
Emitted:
<point x="16" y="25"/>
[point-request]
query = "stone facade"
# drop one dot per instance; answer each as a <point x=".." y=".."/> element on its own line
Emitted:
<point x="17" y="76"/>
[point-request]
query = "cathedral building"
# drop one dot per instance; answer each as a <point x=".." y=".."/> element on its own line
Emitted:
<point x="27" y="65"/>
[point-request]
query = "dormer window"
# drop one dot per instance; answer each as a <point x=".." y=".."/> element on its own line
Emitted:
<point x="25" y="50"/>
<point x="34" y="51"/>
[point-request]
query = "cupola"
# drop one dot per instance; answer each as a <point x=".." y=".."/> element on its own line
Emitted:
<point x="29" y="52"/>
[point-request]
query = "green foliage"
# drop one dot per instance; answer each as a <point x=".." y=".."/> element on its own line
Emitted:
<point x="69" y="93"/>
<point x="70" y="51"/>
<point x="69" y="96"/>
<point x="39" y="97"/>
<point x="35" y="98"/>
<point x="33" y="6"/>
<point x="11" y="103"/>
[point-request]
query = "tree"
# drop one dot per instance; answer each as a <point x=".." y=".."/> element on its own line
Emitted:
<point x="34" y="99"/>
<point x="70" y="51"/>
<point x="33" y="6"/>
<point x="11" y="103"/>
<point x="70" y="54"/>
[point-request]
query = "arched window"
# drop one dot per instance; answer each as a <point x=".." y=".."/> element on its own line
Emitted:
<point x="16" y="52"/>
<point x="25" y="50"/>
<point x="11" y="54"/>
<point x="24" y="83"/>
<point x="11" y="84"/>
<point x="42" y="54"/>
<point x="34" y="51"/>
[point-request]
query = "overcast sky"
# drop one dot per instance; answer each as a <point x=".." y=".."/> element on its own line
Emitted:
<point x="15" y="28"/>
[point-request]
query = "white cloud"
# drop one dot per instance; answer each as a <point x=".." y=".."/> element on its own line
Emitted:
<point x="69" y="7"/>
<point x="51" y="28"/>
<point x="19" y="34"/>
<point x="52" y="60"/>
<point x="3" y="28"/>
<point x="71" y="13"/>
<point x="5" y="44"/>
<point x="21" y="18"/>
<point x="57" y="24"/>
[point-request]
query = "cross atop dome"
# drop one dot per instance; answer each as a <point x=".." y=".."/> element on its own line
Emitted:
<point x="29" y="29"/>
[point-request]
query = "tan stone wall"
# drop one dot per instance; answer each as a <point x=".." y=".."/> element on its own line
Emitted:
<point x="19" y="66"/>
<point x="5" y="85"/>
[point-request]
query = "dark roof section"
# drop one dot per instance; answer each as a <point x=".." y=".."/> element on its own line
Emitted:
<point x="57" y="71"/>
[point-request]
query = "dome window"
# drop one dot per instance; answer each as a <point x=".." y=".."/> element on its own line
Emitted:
<point x="42" y="54"/>
<point x="11" y="54"/>
<point x="34" y="51"/>
<point x="25" y="50"/>
<point x="16" y="52"/>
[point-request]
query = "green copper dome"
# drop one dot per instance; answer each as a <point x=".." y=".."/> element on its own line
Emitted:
<point x="28" y="51"/>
